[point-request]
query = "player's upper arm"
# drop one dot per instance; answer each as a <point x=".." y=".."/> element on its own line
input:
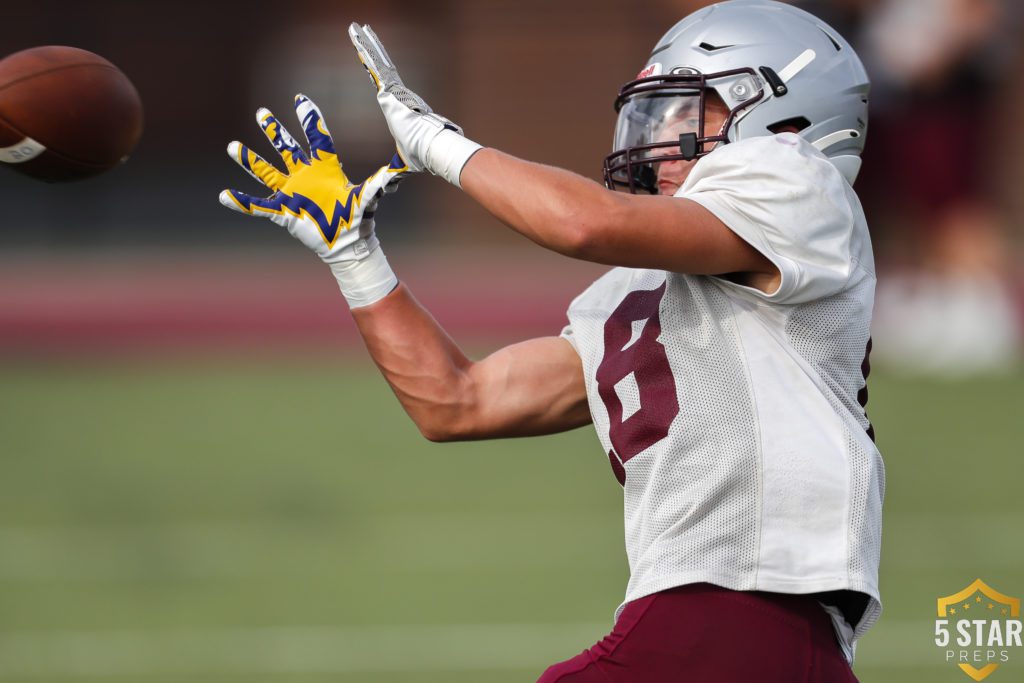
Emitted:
<point x="678" y="235"/>
<point x="771" y="211"/>
<point x="526" y="389"/>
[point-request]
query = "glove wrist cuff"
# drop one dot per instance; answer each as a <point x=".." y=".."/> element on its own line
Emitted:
<point x="365" y="281"/>
<point x="448" y="153"/>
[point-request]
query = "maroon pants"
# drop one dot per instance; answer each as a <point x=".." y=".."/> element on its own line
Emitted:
<point x="706" y="633"/>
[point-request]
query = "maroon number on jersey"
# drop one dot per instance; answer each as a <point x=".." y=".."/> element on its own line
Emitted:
<point x="646" y="359"/>
<point x="862" y="395"/>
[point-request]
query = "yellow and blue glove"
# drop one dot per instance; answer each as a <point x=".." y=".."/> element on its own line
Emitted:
<point x="424" y="139"/>
<point x="314" y="199"/>
<point x="317" y="202"/>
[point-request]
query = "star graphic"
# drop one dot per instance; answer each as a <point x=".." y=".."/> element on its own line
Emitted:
<point x="952" y="610"/>
<point x="1004" y="610"/>
<point x="967" y="605"/>
<point x="990" y="605"/>
<point x="977" y="599"/>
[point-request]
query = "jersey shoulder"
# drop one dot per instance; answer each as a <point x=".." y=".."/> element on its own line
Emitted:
<point x="780" y="164"/>
<point x="786" y="199"/>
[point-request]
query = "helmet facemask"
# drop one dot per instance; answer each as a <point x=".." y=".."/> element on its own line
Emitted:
<point x="663" y="119"/>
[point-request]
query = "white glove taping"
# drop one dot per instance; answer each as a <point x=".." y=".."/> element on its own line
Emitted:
<point x="427" y="141"/>
<point x="448" y="154"/>
<point x="365" y="281"/>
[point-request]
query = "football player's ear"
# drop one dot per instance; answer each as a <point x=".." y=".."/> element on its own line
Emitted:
<point x="256" y="166"/>
<point x="281" y="139"/>
<point x="314" y="126"/>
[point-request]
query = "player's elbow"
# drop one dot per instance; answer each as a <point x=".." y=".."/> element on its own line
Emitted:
<point x="448" y="425"/>
<point x="445" y="431"/>
<point x="586" y="228"/>
<point x="433" y="421"/>
<point x="577" y="238"/>
<point x="448" y="416"/>
<point x="435" y="433"/>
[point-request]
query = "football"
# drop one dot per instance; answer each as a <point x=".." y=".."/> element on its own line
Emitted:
<point x="65" y="113"/>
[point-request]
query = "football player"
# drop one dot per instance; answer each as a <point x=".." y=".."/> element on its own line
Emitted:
<point x="722" y="360"/>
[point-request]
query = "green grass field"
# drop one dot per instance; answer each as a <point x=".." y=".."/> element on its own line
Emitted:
<point x="265" y="521"/>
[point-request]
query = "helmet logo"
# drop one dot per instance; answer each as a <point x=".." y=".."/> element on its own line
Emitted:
<point x="649" y="70"/>
<point x="685" y="71"/>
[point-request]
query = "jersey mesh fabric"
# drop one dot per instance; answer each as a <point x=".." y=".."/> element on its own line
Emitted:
<point x="829" y="334"/>
<point x="765" y="477"/>
<point x="679" y="522"/>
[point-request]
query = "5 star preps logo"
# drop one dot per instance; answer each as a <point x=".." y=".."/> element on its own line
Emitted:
<point x="978" y="628"/>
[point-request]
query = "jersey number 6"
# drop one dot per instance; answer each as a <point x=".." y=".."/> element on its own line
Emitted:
<point x="631" y="347"/>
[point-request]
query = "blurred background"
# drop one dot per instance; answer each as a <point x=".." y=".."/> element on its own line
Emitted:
<point x="204" y="479"/>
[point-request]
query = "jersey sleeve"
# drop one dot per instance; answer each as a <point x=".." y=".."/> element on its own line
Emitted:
<point x="568" y="336"/>
<point x="790" y="203"/>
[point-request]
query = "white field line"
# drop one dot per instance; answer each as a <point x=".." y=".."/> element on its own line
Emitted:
<point x="324" y="650"/>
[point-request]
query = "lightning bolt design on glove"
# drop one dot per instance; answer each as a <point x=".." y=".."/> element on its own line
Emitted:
<point x="313" y="199"/>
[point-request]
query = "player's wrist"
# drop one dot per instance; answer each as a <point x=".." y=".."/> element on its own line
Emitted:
<point x="448" y="153"/>
<point x="363" y="273"/>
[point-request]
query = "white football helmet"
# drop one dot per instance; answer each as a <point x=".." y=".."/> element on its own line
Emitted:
<point x="773" y="66"/>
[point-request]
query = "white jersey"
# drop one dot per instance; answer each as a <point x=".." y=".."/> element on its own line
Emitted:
<point x="732" y="416"/>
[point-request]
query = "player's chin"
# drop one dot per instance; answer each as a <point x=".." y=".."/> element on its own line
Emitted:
<point x="668" y="188"/>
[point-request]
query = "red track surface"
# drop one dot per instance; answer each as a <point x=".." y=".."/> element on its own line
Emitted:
<point x="114" y="305"/>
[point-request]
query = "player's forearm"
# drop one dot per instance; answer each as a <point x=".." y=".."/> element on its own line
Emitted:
<point x="526" y="389"/>
<point x="555" y="208"/>
<point x="423" y="365"/>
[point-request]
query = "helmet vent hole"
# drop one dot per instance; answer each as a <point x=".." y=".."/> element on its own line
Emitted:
<point x="708" y="47"/>
<point x="835" y="43"/>
<point x="793" y="125"/>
